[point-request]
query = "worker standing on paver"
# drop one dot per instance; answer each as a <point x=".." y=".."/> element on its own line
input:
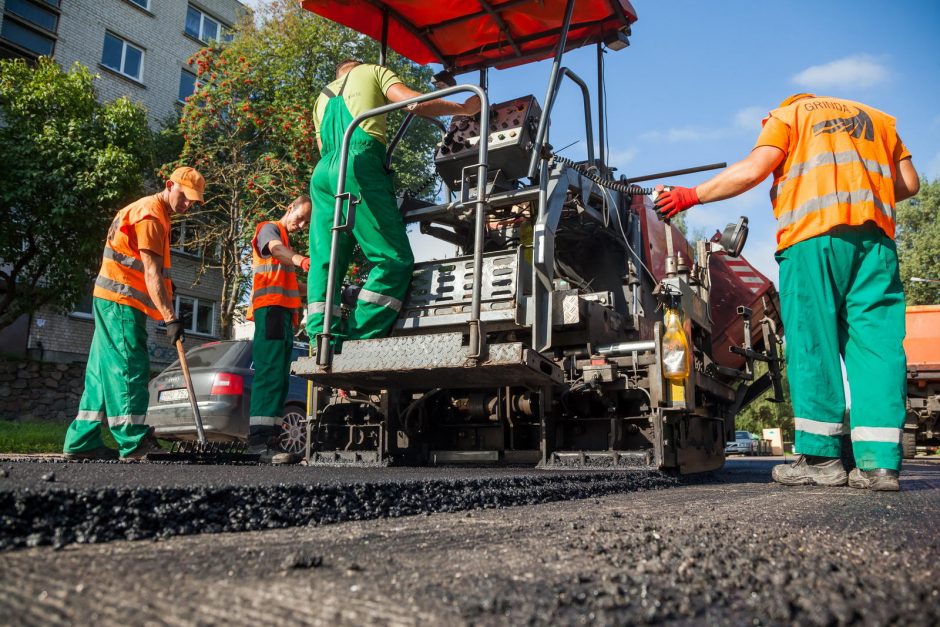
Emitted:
<point x="839" y="168"/>
<point x="378" y="226"/>
<point x="133" y="283"/>
<point x="275" y="307"/>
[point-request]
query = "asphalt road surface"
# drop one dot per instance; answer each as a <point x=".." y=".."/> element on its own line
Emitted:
<point x="488" y="547"/>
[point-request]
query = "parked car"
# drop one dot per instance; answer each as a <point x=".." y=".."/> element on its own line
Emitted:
<point x="744" y="444"/>
<point x="222" y="374"/>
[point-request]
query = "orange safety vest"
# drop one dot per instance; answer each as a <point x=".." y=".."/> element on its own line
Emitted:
<point x="272" y="283"/>
<point x="121" y="277"/>
<point x="839" y="168"/>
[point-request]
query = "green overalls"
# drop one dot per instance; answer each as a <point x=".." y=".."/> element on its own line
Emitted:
<point x="271" y="353"/>
<point x="116" y="380"/>
<point x="378" y="229"/>
<point x="841" y="295"/>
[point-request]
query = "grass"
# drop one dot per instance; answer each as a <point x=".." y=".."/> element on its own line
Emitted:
<point x="37" y="437"/>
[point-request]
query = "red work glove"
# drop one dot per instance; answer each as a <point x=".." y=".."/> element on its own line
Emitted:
<point x="305" y="264"/>
<point x="672" y="200"/>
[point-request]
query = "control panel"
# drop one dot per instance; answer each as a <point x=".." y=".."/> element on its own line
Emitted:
<point x="510" y="136"/>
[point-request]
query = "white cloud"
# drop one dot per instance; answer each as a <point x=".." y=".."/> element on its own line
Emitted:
<point x="744" y="120"/>
<point x="749" y="118"/>
<point x="859" y="70"/>
<point x="620" y="157"/>
<point x="932" y="169"/>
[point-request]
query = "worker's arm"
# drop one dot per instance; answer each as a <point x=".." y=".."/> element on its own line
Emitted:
<point x="732" y="181"/>
<point x="285" y="254"/>
<point x="907" y="183"/>
<point x="432" y="108"/>
<point x="741" y="176"/>
<point x="153" y="277"/>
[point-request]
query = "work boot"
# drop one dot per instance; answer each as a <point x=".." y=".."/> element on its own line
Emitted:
<point x="148" y="444"/>
<point x="877" y="479"/>
<point x="100" y="453"/>
<point x="811" y="470"/>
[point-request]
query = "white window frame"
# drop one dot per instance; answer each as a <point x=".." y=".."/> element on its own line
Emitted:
<point x="203" y="16"/>
<point x="191" y="329"/>
<point x="126" y="44"/>
<point x="143" y="4"/>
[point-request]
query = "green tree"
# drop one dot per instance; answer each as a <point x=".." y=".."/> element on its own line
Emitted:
<point x="248" y="128"/>
<point x="918" y="240"/>
<point x="764" y="413"/>
<point x="69" y="163"/>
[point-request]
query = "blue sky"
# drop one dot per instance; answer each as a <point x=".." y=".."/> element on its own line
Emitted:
<point x="699" y="76"/>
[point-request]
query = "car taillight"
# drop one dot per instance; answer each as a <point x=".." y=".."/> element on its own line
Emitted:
<point x="228" y="384"/>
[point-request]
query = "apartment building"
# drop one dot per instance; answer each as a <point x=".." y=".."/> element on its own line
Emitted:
<point x="138" y="49"/>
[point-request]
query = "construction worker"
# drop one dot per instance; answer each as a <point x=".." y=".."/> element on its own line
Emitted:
<point x="275" y="305"/>
<point x="133" y="284"/>
<point x="839" y="168"/>
<point x="378" y="227"/>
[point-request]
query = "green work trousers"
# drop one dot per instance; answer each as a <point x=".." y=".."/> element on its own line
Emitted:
<point x="378" y="229"/>
<point x="116" y="380"/>
<point x="271" y="353"/>
<point x="841" y="296"/>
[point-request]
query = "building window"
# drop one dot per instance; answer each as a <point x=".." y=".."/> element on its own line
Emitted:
<point x="34" y="13"/>
<point x="29" y="28"/>
<point x="187" y="85"/>
<point x="143" y="4"/>
<point x="84" y="308"/>
<point x="197" y="313"/>
<point x="201" y="26"/>
<point x="123" y="57"/>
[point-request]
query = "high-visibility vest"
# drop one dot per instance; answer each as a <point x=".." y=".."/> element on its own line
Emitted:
<point x="839" y="169"/>
<point x="272" y="283"/>
<point x="121" y="277"/>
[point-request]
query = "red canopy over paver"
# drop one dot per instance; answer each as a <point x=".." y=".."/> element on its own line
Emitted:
<point x="465" y="35"/>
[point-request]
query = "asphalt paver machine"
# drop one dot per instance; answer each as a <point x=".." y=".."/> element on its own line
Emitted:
<point x="543" y="341"/>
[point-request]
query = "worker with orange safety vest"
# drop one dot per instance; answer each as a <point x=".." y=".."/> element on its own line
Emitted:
<point x="839" y="168"/>
<point x="275" y="305"/>
<point x="132" y="285"/>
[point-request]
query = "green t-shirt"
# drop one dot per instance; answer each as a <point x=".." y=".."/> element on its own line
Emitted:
<point x="366" y="88"/>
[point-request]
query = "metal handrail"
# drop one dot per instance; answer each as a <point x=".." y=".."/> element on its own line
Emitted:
<point x="324" y="350"/>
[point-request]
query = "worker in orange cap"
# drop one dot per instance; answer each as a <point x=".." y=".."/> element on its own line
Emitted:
<point x="839" y="168"/>
<point x="132" y="285"/>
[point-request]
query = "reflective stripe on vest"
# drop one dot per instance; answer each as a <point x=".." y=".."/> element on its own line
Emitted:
<point x="839" y="169"/>
<point x="272" y="283"/>
<point x="121" y="276"/>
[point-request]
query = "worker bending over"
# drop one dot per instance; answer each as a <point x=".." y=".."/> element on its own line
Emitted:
<point x="839" y="168"/>
<point x="275" y="307"/>
<point x="133" y="283"/>
<point x="378" y="227"/>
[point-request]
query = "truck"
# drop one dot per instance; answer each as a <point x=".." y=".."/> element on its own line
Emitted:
<point x="575" y="327"/>
<point x="922" y="347"/>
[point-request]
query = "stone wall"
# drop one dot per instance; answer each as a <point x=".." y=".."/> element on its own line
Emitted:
<point x="33" y="390"/>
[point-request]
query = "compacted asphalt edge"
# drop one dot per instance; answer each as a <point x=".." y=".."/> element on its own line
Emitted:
<point x="59" y="516"/>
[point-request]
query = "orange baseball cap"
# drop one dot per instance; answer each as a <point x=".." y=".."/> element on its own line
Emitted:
<point x="191" y="181"/>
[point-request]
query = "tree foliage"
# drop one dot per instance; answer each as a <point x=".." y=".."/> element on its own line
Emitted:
<point x="69" y="163"/>
<point x="249" y="129"/>
<point x="764" y="413"/>
<point x="918" y="240"/>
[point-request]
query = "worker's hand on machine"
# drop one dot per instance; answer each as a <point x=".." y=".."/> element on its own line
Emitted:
<point x="672" y="200"/>
<point x="471" y="105"/>
<point x="305" y="264"/>
<point x="174" y="330"/>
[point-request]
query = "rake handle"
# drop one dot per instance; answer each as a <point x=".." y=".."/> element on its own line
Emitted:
<point x="200" y="432"/>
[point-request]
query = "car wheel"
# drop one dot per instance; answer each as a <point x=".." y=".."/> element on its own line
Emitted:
<point x="293" y="436"/>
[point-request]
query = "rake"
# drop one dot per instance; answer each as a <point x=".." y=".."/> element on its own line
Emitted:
<point x="202" y="451"/>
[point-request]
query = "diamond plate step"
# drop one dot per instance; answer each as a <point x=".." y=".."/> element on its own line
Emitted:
<point x="429" y="361"/>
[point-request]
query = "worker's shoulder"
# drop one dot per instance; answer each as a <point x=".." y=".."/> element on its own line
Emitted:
<point x="152" y="206"/>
